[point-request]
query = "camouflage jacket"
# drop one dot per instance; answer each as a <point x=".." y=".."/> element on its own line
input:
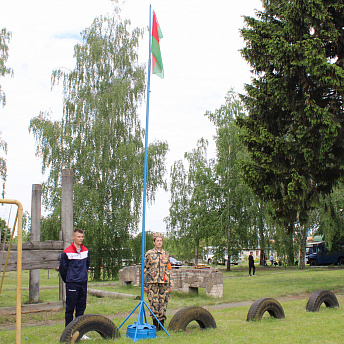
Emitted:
<point x="157" y="267"/>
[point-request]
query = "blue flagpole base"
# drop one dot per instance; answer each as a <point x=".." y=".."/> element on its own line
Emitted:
<point x="141" y="331"/>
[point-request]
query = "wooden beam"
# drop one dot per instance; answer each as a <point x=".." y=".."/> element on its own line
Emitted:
<point x="34" y="259"/>
<point x="112" y="294"/>
<point x="33" y="308"/>
<point x="38" y="245"/>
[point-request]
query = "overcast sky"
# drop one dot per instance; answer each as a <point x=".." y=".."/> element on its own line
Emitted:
<point x="200" y="52"/>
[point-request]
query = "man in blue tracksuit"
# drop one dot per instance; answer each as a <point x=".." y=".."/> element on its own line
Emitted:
<point x="74" y="265"/>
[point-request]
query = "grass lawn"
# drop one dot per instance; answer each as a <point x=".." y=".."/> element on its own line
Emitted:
<point x="298" y="326"/>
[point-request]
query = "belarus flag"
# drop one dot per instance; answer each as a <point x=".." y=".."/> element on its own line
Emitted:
<point x="158" y="67"/>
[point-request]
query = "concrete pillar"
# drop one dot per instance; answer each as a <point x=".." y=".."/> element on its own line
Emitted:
<point x="36" y="200"/>
<point x="66" y="217"/>
<point x="67" y="207"/>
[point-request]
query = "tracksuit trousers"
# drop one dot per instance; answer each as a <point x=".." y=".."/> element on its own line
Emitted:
<point x="76" y="296"/>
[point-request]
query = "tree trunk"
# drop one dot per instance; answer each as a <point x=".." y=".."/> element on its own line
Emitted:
<point x="303" y="242"/>
<point x="228" y="250"/>
<point x="196" y="254"/>
<point x="229" y="262"/>
<point x="97" y="268"/>
<point x="290" y="244"/>
<point x="261" y="235"/>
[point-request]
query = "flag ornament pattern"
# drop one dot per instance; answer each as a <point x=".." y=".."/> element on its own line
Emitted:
<point x="158" y="67"/>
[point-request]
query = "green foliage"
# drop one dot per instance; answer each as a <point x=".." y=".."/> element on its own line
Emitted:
<point x="51" y="226"/>
<point x="5" y="37"/>
<point x="190" y="214"/>
<point x="176" y="248"/>
<point x="294" y="131"/>
<point x="101" y="139"/>
<point x="288" y="286"/>
<point x="210" y="204"/>
<point x="5" y="232"/>
<point x="136" y="246"/>
<point x="51" y="223"/>
<point x="3" y="167"/>
<point x="26" y="227"/>
<point x="234" y="205"/>
<point x="329" y="218"/>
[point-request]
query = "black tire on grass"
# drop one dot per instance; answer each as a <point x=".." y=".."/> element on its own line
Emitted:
<point x="184" y="316"/>
<point x="265" y="304"/>
<point x="87" y="323"/>
<point x="319" y="297"/>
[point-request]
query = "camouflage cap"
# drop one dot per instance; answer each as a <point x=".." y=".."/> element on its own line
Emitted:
<point x="157" y="235"/>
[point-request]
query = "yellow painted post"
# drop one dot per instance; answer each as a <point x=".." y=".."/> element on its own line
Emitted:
<point x="19" y="220"/>
<point x="19" y="272"/>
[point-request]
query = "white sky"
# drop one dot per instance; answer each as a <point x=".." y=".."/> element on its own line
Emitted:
<point x="200" y="52"/>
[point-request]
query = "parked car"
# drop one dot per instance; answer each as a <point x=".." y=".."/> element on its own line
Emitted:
<point x="209" y="257"/>
<point x="318" y="254"/>
<point x="175" y="262"/>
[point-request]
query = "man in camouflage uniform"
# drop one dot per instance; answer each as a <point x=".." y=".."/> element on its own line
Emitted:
<point x="158" y="279"/>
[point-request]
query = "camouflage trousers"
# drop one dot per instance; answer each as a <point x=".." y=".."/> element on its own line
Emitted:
<point x="158" y="295"/>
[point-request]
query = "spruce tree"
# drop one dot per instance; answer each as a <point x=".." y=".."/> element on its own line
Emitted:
<point x="295" y="128"/>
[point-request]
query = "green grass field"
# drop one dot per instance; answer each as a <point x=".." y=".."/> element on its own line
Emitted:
<point x="282" y="284"/>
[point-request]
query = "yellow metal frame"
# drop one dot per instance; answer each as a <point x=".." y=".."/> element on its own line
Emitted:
<point x="19" y="221"/>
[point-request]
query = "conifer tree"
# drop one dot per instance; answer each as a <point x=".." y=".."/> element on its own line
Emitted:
<point x="295" y="128"/>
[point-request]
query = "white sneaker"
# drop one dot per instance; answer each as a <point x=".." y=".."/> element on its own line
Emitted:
<point x="84" y="337"/>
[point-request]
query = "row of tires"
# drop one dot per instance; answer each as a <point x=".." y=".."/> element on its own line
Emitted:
<point x="274" y="308"/>
<point x="181" y="319"/>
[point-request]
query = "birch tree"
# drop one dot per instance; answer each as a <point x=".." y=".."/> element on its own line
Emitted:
<point x="190" y="213"/>
<point x="5" y="37"/>
<point x="101" y="139"/>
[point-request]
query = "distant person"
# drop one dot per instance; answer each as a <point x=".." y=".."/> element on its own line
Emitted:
<point x="158" y="279"/>
<point x="264" y="258"/>
<point x="74" y="265"/>
<point x="251" y="266"/>
<point x="272" y="259"/>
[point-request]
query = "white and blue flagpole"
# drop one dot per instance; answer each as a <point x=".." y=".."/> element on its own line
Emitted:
<point x="141" y="325"/>
<point x="144" y="198"/>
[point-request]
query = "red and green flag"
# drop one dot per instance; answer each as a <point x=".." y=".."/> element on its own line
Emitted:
<point x="158" y="67"/>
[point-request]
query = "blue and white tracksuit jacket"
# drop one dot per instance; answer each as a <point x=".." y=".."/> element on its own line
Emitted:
<point x="74" y="265"/>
